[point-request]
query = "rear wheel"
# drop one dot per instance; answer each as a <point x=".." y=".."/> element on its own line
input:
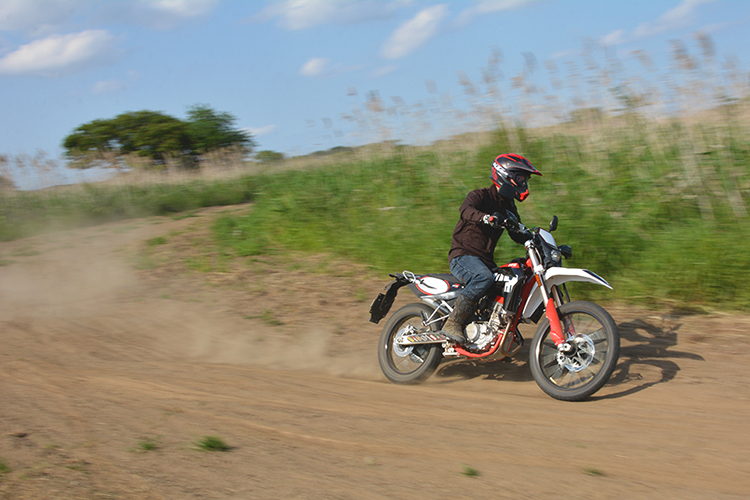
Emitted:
<point x="594" y="343"/>
<point x="407" y="364"/>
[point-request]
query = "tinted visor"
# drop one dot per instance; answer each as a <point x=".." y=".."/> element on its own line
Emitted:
<point x="520" y="179"/>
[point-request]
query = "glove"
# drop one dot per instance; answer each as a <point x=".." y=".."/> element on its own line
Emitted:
<point x="510" y="222"/>
<point x="494" y="220"/>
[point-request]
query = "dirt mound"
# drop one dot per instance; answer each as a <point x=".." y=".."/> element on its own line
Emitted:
<point x="120" y="353"/>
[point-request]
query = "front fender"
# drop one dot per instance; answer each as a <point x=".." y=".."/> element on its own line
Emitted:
<point x="557" y="276"/>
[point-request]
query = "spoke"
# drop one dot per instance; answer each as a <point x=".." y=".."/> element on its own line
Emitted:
<point x="548" y="358"/>
<point x="563" y="382"/>
<point x="411" y="358"/>
<point x="593" y="372"/>
<point x="598" y="360"/>
<point x="598" y="336"/>
<point x="593" y="348"/>
<point x="587" y="378"/>
<point x="551" y="364"/>
<point x="559" y="372"/>
<point x="573" y="375"/>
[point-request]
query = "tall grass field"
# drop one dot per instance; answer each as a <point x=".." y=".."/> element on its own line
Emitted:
<point x="25" y="213"/>
<point x="659" y="211"/>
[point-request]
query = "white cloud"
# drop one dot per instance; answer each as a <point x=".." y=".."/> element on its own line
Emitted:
<point x="615" y="38"/>
<point x="166" y="14"/>
<point x="109" y="86"/>
<point x="415" y="32"/>
<point x="156" y="14"/>
<point x="34" y="16"/>
<point x="320" y="66"/>
<point x="314" y="67"/>
<point x="384" y="70"/>
<point x="60" y="54"/>
<point x="488" y="7"/>
<point x="256" y="131"/>
<point x="677" y="18"/>
<point x="566" y="53"/>
<point x="44" y="17"/>
<point x="302" y="14"/>
<point x="113" y="85"/>
<point x="182" y="8"/>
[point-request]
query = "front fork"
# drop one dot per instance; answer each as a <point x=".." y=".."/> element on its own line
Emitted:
<point x="556" y="331"/>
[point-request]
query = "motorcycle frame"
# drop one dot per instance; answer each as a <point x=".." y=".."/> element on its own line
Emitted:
<point x="541" y="287"/>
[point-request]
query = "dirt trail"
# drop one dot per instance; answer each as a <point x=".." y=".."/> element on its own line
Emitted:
<point x="105" y="352"/>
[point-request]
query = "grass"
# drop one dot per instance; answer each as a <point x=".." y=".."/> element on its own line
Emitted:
<point x="626" y="206"/>
<point x="79" y="466"/>
<point x="267" y="317"/>
<point x="148" y="444"/>
<point x="469" y="471"/>
<point x="4" y="467"/>
<point x="159" y="240"/>
<point x="592" y="471"/>
<point x="657" y="208"/>
<point x="26" y="252"/>
<point x="200" y="263"/>
<point x="184" y="216"/>
<point x="212" y="443"/>
<point x="25" y="213"/>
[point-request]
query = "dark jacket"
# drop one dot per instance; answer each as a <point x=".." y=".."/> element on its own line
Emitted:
<point x="472" y="236"/>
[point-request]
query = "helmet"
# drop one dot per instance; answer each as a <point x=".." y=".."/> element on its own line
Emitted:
<point x="510" y="173"/>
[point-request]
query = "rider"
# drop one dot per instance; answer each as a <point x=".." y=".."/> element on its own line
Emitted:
<point x="483" y="217"/>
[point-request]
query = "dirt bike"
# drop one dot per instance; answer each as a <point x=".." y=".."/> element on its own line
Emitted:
<point x="572" y="354"/>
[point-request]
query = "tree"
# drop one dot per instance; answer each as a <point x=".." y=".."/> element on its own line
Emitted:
<point x="210" y="130"/>
<point x="145" y="133"/>
<point x="154" y="135"/>
<point x="268" y="156"/>
<point x="98" y="135"/>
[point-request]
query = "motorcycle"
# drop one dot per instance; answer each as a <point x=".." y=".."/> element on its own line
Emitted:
<point x="572" y="354"/>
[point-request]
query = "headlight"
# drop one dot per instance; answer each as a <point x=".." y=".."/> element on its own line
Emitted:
<point x="555" y="255"/>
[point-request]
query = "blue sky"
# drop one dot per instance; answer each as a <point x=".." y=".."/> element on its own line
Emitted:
<point x="298" y="73"/>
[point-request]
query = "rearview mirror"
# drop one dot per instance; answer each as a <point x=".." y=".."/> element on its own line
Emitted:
<point x="553" y="223"/>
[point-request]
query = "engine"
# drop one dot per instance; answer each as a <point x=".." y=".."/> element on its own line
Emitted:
<point x="479" y="334"/>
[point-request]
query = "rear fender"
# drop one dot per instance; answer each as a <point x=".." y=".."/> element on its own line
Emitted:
<point x="383" y="302"/>
<point x="557" y="276"/>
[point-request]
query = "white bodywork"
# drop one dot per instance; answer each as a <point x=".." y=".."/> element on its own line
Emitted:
<point x="557" y="276"/>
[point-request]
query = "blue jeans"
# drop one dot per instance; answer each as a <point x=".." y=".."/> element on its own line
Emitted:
<point x="474" y="273"/>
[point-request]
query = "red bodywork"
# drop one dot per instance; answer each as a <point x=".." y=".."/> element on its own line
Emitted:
<point x="556" y="332"/>
<point x="525" y="292"/>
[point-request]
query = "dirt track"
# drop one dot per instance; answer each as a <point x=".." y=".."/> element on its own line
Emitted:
<point x="101" y="353"/>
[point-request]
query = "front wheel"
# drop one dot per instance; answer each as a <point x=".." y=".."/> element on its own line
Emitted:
<point x="594" y="347"/>
<point x="407" y="364"/>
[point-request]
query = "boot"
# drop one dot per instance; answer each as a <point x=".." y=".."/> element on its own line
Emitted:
<point x="454" y="325"/>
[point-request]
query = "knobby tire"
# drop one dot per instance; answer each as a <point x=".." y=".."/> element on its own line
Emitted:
<point x="413" y="364"/>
